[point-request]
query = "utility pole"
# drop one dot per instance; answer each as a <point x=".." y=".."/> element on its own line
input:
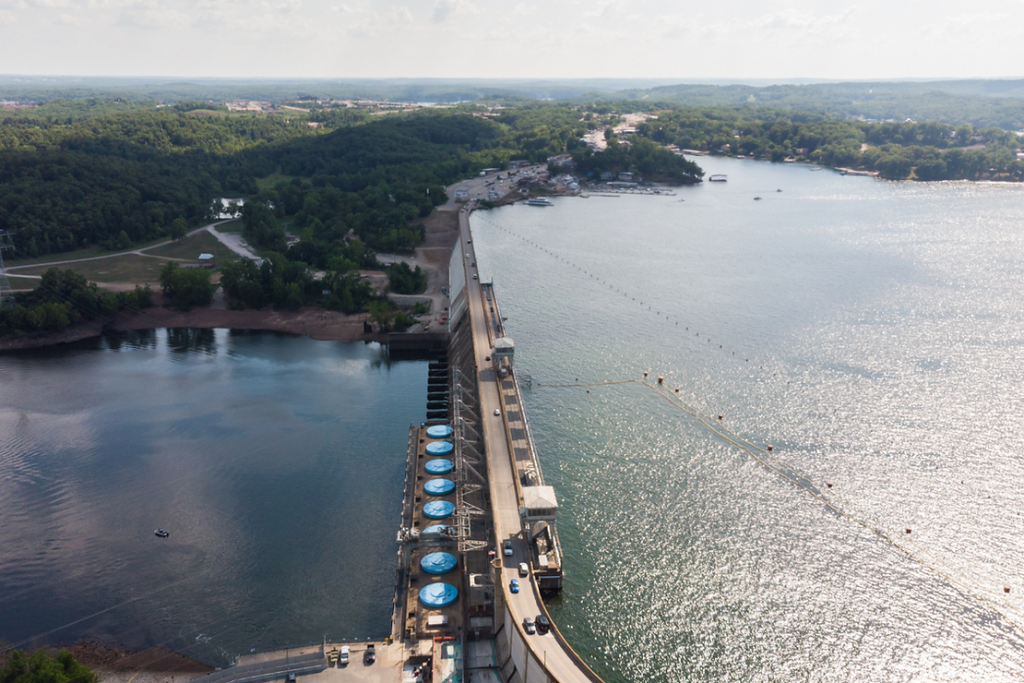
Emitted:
<point x="6" y="294"/>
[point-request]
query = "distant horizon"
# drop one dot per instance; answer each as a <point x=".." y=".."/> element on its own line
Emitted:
<point x="871" y="40"/>
<point x="752" y="81"/>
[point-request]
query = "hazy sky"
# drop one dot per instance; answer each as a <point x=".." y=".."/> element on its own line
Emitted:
<point x="518" y="38"/>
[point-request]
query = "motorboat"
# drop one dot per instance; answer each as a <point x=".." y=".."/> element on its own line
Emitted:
<point x="539" y="201"/>
<point x="161" y="533"/>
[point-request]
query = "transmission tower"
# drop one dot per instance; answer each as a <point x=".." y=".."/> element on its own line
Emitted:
<point x="6" y="294"/>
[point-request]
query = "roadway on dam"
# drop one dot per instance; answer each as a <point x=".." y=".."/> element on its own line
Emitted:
<point x="562" y="664"/>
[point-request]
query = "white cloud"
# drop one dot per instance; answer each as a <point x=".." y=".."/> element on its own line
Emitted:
<point x="152" y="15"/>
<point x="791" y="19"/>
<point x="445" y="8"/>
<point x="375" y="25"/>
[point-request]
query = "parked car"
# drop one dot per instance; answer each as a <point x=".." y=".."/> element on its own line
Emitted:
<point x="474" y="276"/>
<point x="370" y="656"/>
<point x="508" y="548"/>
<point x="344" y="657"/>
<point x="487" y="358"/>
<point x="524" y="570"/>
<point x="513" y="585"/>
<point x="528" y="626"/>
<point x="497" y="412"/>
<point x="543" y="625"/>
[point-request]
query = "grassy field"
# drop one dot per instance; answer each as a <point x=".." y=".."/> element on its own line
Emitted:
<point x="88" y="252"/>
<point x="122" y="269"/>
<point x="22" y="282"/>
<point x="133" y="268"/>
<point x="190" y="248"/>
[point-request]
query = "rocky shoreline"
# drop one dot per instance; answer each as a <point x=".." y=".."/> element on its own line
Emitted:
<point x="120" y="665"/>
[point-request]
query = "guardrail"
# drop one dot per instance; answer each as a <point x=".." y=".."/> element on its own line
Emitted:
<point x="265" y="671"/>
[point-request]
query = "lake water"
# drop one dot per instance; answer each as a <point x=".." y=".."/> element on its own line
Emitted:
<point x="276" y="463"/>
<point x="871" y="332"/>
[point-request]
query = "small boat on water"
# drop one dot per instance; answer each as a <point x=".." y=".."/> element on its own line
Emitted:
<point x="757" y="199"/>
<point x="718" y="178"/>
<point x="161" y="533"/>
<point x="539" y="201"/>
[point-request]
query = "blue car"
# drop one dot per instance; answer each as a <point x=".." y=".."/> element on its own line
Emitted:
<point x="513" y="585"/>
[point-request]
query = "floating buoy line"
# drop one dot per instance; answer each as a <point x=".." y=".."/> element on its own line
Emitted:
<point x="765" y="456"/>
<point x="611" y="286"/>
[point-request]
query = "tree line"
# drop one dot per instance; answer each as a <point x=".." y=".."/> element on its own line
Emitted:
<point x="922" y="151"/>
<point x="64" y="298"/>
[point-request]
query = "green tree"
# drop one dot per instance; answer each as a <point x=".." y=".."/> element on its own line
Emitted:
<point x="179" y="228"/>
<point x="381" y="313"/>
<point x="41" y="668"/>
<point x="186" y="287"/>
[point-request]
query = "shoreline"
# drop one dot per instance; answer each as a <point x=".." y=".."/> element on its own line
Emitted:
<point x="310" y="322"/>
<point x="119" y="664"/>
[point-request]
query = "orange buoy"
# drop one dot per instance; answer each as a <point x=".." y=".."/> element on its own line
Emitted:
<point x="677" y="390"/>
<point x="770" y="447"/>
<point x="645" y="373"/>
<point x="1006" y="589"/>
<point x="908" y="529"/>
<point x="719" y="416"/>
<point x="828" y="484"/>
<point x="660" y="379"/>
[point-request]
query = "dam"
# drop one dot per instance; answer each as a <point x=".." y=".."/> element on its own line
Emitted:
<point x="478" y="548"/>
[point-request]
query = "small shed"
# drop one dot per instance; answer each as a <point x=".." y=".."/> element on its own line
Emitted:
<point x="539" y="502"/>
<point x="504" y="347"/>
<point x="207" y="260"/>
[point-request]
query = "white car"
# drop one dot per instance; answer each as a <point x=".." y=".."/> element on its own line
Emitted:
<point x="343" y="658"/>
<point x="497" y="412"/>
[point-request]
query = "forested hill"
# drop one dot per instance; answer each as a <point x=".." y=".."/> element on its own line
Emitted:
<point x="980" y="103"/>
<point x="122" y="179"/>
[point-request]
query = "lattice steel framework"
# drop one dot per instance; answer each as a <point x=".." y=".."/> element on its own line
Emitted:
<point x="466" y="456"/>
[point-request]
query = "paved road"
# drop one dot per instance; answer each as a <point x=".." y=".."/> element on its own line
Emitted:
<point x="504" y="501"/>
<point x="137" y="252"/>
<point x="233" y="241"/>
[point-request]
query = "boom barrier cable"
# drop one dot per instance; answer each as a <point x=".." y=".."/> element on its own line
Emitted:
<point x="842" y="507"/>
<point x="766" y="457"/>
<point x="611" y="286"/>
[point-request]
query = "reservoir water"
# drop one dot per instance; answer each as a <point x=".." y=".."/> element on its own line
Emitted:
<point x="276" y="463"/>
<point x="871" y="332"/>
